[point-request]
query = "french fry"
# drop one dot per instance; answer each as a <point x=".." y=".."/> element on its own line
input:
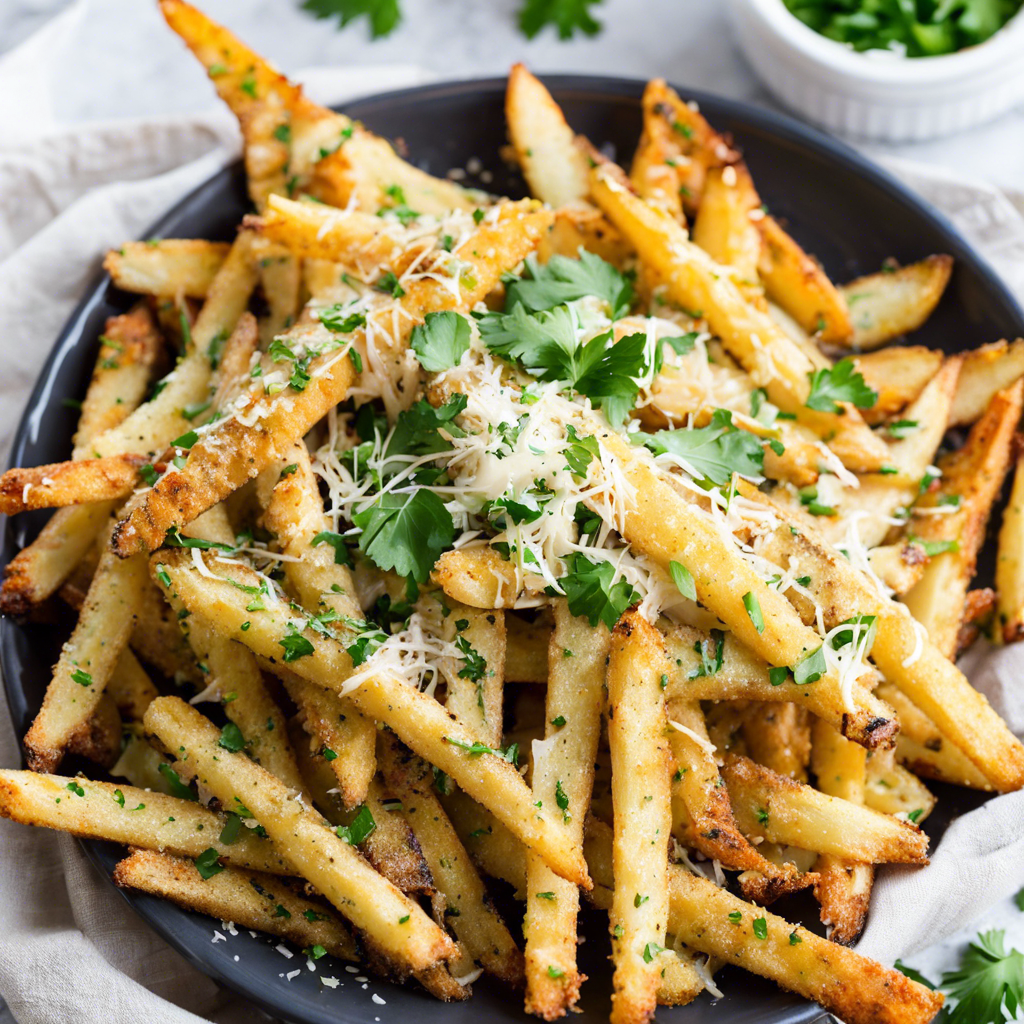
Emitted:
<point x="897" y="375"/>
<point x="891" y="789"/>
<point x="886" y="305"/>
<point x="974" y="473"/>
<point x="923" y="748"/>
<point x="563" y="773"/>
<point x="844" y="887"/>
<point x="129" y="348"/>
<point x="99" y="740"/>
<point x="86" y="661"/>
<point x="856" y="989"/>
<point x="779" y="737"/>
<point x="554" y="168"/>
<point x="135" y="817"/>
<point x="643" y="816"/>
<point x="213" y="469"/>
<point x="697" y="283"/>
<point x="665" y="528"/>
<point x="526" y="650"/>
<point x="798" y="284"/>
<point x="476" y="690"/>
<point x="1010" y="563"/>
<point x="744" y="676"/>
<point x="494" y="849"/>
<point x="478" y="577"/>
<point x="153" y="425"/>
<point x="905" y="657"/>
<point x="419" y="720"/>
<point x="69" y="483"/>
<point x="476" y="924"/>
<point x="979" y="607"/>
<point x="166" y="267"/>
<point x="280" y="279"/>
<point x="158" y="641"/>
<point x="118" y="385"/>
<point x="389" y="920"/>
<point x="263" y="902"/>
<point x="792" y="814"/>
<point x="723" y="227"/>
<point x="295" y="513"/>
<point x="584" y="226"/>
<point x="231" y="370"/>
<point x="677" y="136"/>
<point x="701" y="810"/>
<point x="130" y="687"/>
<point x="312" y="231"/>
<point x="986" y="370"/>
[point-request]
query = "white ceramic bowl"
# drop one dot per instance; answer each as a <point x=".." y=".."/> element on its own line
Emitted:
<point x="878" y="94"/>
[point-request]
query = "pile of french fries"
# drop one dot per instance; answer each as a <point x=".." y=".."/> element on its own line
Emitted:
<point x="564" y="647"/>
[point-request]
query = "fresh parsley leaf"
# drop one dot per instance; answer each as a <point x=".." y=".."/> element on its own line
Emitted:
<point x="1019" y="900"/>
<point x="207" y="864"/>
<point x="714" y="452"/>
<point x="712" y="653"/>
<point x="186" y="440"/>
<point x="562" y="279"/>
<point x="935" y="547"/>
<point x="384" y="16"/>
<point x="336" y="541"/>
<point x="406" y="532"/>
<point x="295" y="645"/>
<point x="474" y="666"/>
<point x="591" y="593"/>
<point x="651" y="950"/>
<point x="230" y="832"/>
<point x="231" y="738"/>
<point x="174" y="539"/>
<point x="562" y="801"/>
<point x="390" y="285"/>
<point x="840" y="384"/>
<point x="913" y="974"/>
<point x="810" y="668"/>
<point x="81" y="677"/>
<point x="441" y="340"/>
<point x="753" y="606"/>
<point x="174" y="783"/>
<point x="760" y="926"/>
<point x="580" y="451"/>
<point x="901" y="428"/>
<point x="478" y="749"/>
<point x="683" y="579"/>
<point x="359" y="829"/>
<point x="334" y="320"/>
<point x="416" y="429"/>
<point x="368" y="639"/>
<point x="988" y="977"/>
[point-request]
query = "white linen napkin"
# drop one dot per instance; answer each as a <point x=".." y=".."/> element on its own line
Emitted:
<point x="70" y="948"/>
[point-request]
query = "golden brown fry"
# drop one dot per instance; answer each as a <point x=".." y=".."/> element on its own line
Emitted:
<point x="904" y="656"/>
<point x="584" y="226"/>
<point x="973" y="476"/>
<point x="723" y="227"/>
<point x="563" y="773"/>
<point x="851" y="986"/>
<point x="986" y="370"/>
<point x="87" y="660"/>
<point x="891" y="789"/>
<point x="797" y="283"/>
<point x="249" y="899"/>
<point x="69" y="483"/>
<point x="702" y="813"/>
<point x="130" y="687"/>
<point x="135" y="817"/>
<point x="280" y="280"/>
<point x="231" y="367"/>
<point x="924" y="749"/>
<point x="1010" y="563"/>
<point x="779" y="737"/>
<point x="844" y="887"/>
<point x="886" y="305"/>
<point x="792" y="814"/>
<point x="643" y="815"/>
<point x="477" y="702"/>
<point x="99" y="740"/>
<point x="477" y="925"/>
<point x="897" y="375"/>
<point x="166" y="267"/>
<point x="295" y="513"/>
<point x="478" y="577"/>
<point x="554" y="168"/>
<point x="526" y="649"/>
<point x="129" y="348"/>
<point x="419" y="720"/>
<point x="390" y="921"/>
<point x="232" y="453"/>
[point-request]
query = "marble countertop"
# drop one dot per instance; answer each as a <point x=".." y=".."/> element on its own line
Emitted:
<point x="129" y="65"/>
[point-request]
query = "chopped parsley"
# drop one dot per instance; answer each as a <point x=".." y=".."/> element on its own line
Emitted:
<point x="843" y="383"/>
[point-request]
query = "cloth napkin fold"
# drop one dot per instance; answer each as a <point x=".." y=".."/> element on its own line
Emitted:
<point x="70" y="948"/>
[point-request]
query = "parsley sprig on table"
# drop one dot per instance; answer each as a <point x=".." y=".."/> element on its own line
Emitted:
<point x="920" y="28"/>
<point x="566" y="16"/>
<point x="988" y="978"/>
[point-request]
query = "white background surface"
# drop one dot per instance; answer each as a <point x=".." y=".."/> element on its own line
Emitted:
<point x="129" y="65"/>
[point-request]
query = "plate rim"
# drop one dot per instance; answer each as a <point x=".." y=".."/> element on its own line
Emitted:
<point x="782" y="126"/>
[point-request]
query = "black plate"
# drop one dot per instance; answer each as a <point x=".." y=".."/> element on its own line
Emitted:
<point x="845" y="210"/>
